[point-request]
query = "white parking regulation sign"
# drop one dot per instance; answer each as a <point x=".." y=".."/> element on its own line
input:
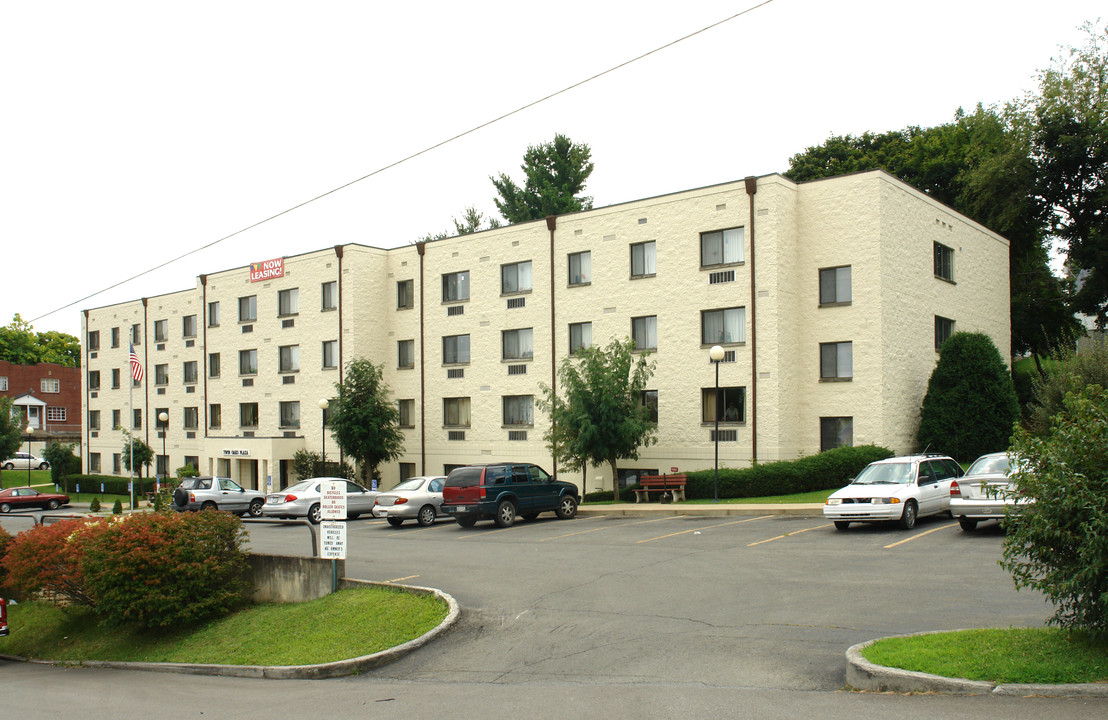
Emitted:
<point x="332" y="540"/>
<point x="332" y="500"/>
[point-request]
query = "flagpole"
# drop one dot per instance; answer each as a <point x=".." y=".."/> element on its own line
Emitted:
<point x="131" y="444"/>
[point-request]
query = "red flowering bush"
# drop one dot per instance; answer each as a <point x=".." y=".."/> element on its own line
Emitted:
<point x="158" y="570"/>
<point x="47" y="559"/>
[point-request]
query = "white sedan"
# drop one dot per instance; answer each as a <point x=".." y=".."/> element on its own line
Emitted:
<point x="25" y="461"/>
<point x="303" y="498"/>
<point x="900" y="489"/>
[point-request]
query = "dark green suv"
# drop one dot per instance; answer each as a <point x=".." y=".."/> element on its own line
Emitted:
<point x="502" y="491"/>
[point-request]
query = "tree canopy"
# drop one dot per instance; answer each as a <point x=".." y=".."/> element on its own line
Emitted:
<point x="364" y="420"/>
<point x="599" y="416"/>
<point x="11" y="427"/>
<point x="21" y="345"/>
<point x="555" y="174"/>
<point x="143" y="453"/>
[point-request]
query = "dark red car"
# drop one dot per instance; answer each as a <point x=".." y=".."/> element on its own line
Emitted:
<point x="25" y="497"/>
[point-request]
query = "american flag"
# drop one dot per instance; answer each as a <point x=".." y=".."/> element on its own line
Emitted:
<point x="136" y="365"/>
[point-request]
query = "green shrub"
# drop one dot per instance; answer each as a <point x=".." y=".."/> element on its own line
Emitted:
<point x="5" y="541"/>
<point x="112" y="485"/>
<point x="117" y="507"/>
<point x="1056" y="543"/>
<point x="187" y="471"/>
<point x="1068" y="372"/>
<point x="94" y="506"/>
<point x="63" y="462"/>
<point x="970" y="405"/>
<point x="830" y="469"/>
<point x="160" y="570"/>
<point x="46" y="559"/>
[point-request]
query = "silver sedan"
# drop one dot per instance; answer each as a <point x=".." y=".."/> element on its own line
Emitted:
<point x="418" y="498"/>
<point x="302" y="500"/>
<point x="985" y="492"/>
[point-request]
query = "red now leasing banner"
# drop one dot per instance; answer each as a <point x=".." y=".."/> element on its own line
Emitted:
<point x="267" y="269"/>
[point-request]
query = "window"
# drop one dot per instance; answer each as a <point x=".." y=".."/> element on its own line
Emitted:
<point x="94" y="463"/>
<point x="455" y="349"/>
<point x="189" y="370"/>
<point x="455" y="412"/>
<point x="731" y="405"/>
<point x="944" y="262"/>
<point x="455" y="286"/>
<point x="407" y="413"/>
<point x="215" y="415"/>
<point x="161" y="374"/>
<point x="407" y="470"/>
<point x="117" y="419"/>
<point x="515" y="278"/>
<point x="330" y="354"/>
<point x="290" y="414"/>
<point x="405" y="354"/>
<point x="188" y="326"/>
<point x="56" y="414"/>
<point x="580" y="268"/>
<point x="115" y="337"/>
<point x="723" y="326"/>
<point x="518" y="344"/>
<point x="289" y="358"/>
<point x="836" y="361"/>
<point x="248" y="415"/>
<point x="94" y="340"/>
<point x="519" y="410"/>
<point x="213" y="314"/>
<point x="405" y="294"/>
<point x="329" y="296"/>
<point x="644" y="331"/>
<point x="944" y="328"/>
<point x="193" y="460"/>
<point x="213" y="365"/>
<point x="724" y="247"/>
<point x="94" y="419"/>
<point x="136" y="419"/>
<point x="93" y="379"/>
<point x="191" y="418"/>
<point x="642" y="259"/>
<point x="580" y="336"/>
<point x="834" y="285"/>
<point x="161" y="330"/>
<point x="115" y="378"/>
<point x="161" y="466"/>
<point x="136" y="334"/>
<point x="649" y="400"/>
<point x="835" y="432"/>
<point x="288" y="302"/>
<point x="117" y="463"/>
<point x="50" y="385"/>
<point x="248" y="362"/>
<point x="158" y="417"/>
<point x="3" y="383"/>
<point x="248" y="308"/>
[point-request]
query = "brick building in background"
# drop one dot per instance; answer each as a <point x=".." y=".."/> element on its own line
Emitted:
<point x="49" y="395"/>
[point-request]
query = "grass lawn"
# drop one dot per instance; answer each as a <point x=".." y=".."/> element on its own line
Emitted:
<point x="344" y="625"/>
<point x="817" y="496"/>
<point x="1013" y="655"/>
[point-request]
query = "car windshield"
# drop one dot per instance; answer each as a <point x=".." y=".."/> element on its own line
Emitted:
<point x="885" y="474"/>
<point x="410" y="484"/>
<point x="995" y="465"/>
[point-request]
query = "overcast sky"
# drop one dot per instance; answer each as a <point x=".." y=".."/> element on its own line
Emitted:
<point x="133" y="132"/>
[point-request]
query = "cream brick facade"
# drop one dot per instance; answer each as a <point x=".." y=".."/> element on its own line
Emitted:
<point x="880" y="228"/>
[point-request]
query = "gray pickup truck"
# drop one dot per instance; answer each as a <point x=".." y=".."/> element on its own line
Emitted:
<point x="217" y="493"/>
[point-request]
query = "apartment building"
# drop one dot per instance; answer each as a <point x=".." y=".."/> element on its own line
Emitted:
<point x="829" y="298"/>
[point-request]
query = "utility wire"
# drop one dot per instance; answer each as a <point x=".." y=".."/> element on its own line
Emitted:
<point x="412" y="156"/>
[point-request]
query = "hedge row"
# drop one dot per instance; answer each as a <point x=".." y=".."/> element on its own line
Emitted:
<point x="113" y="485"/>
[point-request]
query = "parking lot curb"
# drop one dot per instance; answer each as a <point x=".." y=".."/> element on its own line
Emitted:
<point x="861" y="674"/>
<point x="338" y="668"/>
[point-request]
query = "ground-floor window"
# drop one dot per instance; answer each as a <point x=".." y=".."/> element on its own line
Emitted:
<point x="835" y="432"/>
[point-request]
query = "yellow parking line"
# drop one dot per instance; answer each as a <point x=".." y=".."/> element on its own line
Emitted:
<point x="396" y="580"/>
<point x="708" y="527"/>
<point x="796" y="532"/>
<point x="609" y="527"/>
<point x="928" y="532"/>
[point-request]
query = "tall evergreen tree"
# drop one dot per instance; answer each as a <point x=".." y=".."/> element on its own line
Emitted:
<point x="556" y="173"/>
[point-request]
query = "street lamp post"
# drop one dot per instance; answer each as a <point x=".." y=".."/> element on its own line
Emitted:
<point x="716" y="354"/>
<point x="323" y="428"/>
<point x="30" y="432"/>
<point x="163" y="420"/>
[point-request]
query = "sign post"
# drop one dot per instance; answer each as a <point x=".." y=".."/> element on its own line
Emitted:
<point x="332" y="506"/>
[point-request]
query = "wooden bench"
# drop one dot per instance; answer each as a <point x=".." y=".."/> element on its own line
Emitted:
<point x="670" y="486"/>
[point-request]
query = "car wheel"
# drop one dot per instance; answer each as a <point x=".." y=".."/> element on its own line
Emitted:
<point x="908" y="519"/>
<point x="968" y="524"/>
<point x="209" y="505"/>
<point x="10" y="466"/>
<point x="353" y="516"/>
<point x="255" y="509"/>
<point x="5" y="508"/>
<point x="52" y="505"/>
<point x="426" y="516"/>
<point x="44" y="466"/>
<point x="505" y="514"/>
<point x="567" y="507"/>
<point x="842" y="524"/>
<point x="395" y="521"/>
<point x="466" y="520"/>
<point x="530" y="516"/>
<point x="315" y="514"/>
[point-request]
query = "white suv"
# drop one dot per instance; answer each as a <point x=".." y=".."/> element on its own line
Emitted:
<point x="900" y="488"/>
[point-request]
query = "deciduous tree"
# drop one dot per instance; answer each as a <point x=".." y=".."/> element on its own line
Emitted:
<point x="11" y="427"/>
<point x="20" y="344"/>
<point x="365" y="421"/>
<point x="143" y="453"/>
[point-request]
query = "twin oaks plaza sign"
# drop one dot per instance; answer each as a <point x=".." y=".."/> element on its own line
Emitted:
<point x="267" y="270"/>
